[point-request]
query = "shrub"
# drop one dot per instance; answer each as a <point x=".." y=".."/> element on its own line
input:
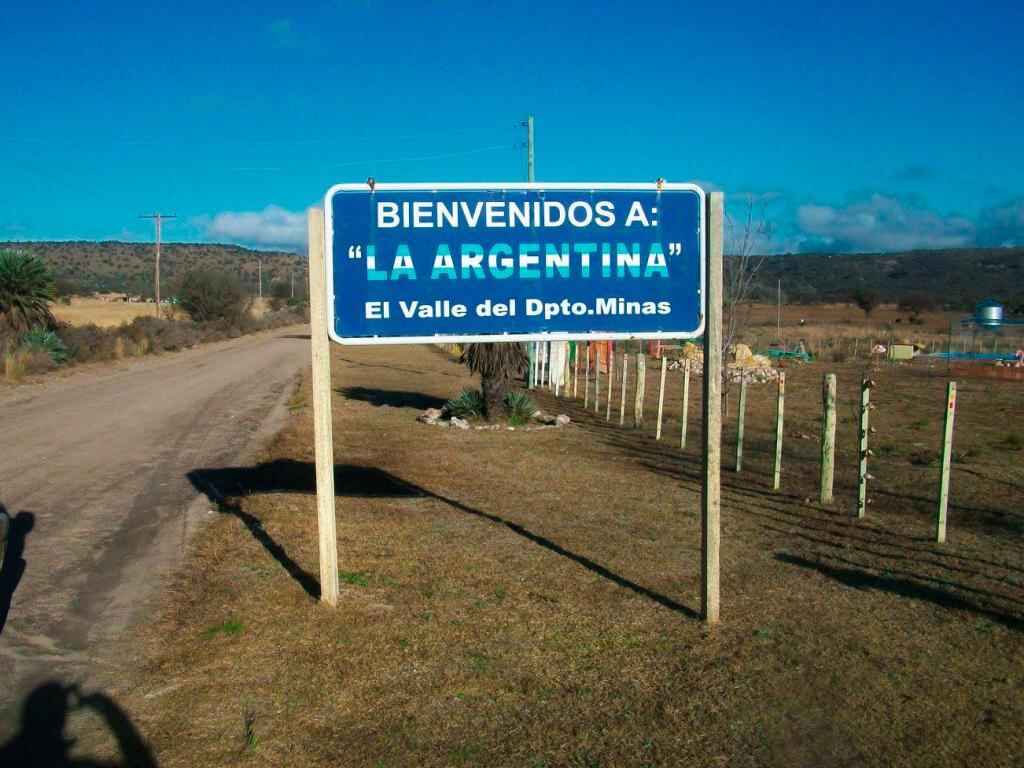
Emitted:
<point x="172" y="336"/>
<point x="962" y="455"/>
<point x="1014" y="441"/>
<point x="15" y="364"/>
<point x="88" y="342"/>
<point x="521" y="407"/>
<point x="280" y="292"/>
<point x="866" y="299"/>
<point x="917" y="302"/>
<point x="24" y="360"/>
<point x="923" y="457"/>
<point x="46" y="342"/>
<point x="468" y="404"/>
<point x="209" y="295"/>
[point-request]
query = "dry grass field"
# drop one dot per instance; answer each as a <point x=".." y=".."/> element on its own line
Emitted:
<point x="530" y="598"/>
<point x="108" y="314"/>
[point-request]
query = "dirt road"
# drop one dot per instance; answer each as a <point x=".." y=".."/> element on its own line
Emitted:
<point x="93" y="469"/>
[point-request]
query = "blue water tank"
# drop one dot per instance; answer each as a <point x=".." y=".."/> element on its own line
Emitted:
<point x="989" y="314"/>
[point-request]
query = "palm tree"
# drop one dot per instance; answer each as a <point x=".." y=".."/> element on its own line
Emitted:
<point x="26" y="292"/>
<point x="496" y="364"/>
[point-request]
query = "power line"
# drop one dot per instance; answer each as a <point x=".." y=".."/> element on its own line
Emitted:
<point x="377" y="161"/>
<point x="40" y="217"/>
<point x="75" y="180"/>
<point x="260" y="143"/>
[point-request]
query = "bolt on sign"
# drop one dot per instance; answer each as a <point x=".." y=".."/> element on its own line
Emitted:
<point x="411" y="263"/>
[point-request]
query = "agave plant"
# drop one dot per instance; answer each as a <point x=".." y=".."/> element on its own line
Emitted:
<point x="468" y="404"/>
<point x="26" y="292"/>
<point x="521" y="407"/>
<point x="47" y="342"/>
<point x="496" y="364"/>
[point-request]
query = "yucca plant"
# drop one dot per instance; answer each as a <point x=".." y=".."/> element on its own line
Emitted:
<point x="468" y="404"/>
<point x="47" y="342"/>
<point x="496" y="364"/>
<point x="26" y="292"/>
<point x="520" y="407"/>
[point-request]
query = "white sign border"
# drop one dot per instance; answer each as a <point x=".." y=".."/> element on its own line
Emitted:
<point x="498" y="187"/>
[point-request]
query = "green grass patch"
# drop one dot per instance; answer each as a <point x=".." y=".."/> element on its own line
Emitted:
<point x="356" y="578"/>
<point x="227" y="628"/>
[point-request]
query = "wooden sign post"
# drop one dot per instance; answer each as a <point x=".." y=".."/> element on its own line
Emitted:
<point x="356" y="298"/>
<point x="323" y="434"/>
<point x="711" y="495"/>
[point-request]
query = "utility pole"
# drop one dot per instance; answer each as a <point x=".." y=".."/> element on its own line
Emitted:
<point x="293" y="281"/>
<point x="531" y="347"/>
<point x="158" y="219"/>
<point x="259" y="276"/>
<point x="778" y="313"/>
<point x="529" y="147"/>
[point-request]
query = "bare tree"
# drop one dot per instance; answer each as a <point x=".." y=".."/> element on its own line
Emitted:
<point x="749" y="233"/>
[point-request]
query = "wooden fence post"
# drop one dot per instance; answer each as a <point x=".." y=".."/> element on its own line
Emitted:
<point x="711" y="491"/>
<point x="622" y="397"/>
<point x="557" y="375"/>
<point x="576" y="367"/>
<point x="741" y="413"/>
<point x="323" y="431"/>
<point x="778" y="430"/>
<point x="828" y="436"/>
<point x="548" y="381"/>
<point x="641" y="382"/>
<point x="611" y="382"/>
<point x="661" y="396"/>
<point x="864" y="451"/>
<point x="947" y="452"/>
<point x="565" y="367"/>
<point x="686" y="402"/>
<point x="586" y="378"/>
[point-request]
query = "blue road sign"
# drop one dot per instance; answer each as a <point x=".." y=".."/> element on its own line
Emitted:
<point x="409" y="263"/>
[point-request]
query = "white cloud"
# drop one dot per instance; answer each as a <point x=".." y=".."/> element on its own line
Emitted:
<point x="274" y="227"/>
<point x="880" y="224"/>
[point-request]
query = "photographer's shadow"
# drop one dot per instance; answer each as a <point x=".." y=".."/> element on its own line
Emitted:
<point x="41" y="740"/>
<point x="14" y="560"/>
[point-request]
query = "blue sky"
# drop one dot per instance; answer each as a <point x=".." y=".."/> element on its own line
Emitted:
<point x="873" y="126"/>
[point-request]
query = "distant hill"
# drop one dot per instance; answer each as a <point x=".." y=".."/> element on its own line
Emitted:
<point x="956" y="277"/>
<point x="114" y="266"/>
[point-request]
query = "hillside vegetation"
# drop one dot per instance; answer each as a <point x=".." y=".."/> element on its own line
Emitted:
<point x="113" y="266"/>
<point x="956" y="277"/>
